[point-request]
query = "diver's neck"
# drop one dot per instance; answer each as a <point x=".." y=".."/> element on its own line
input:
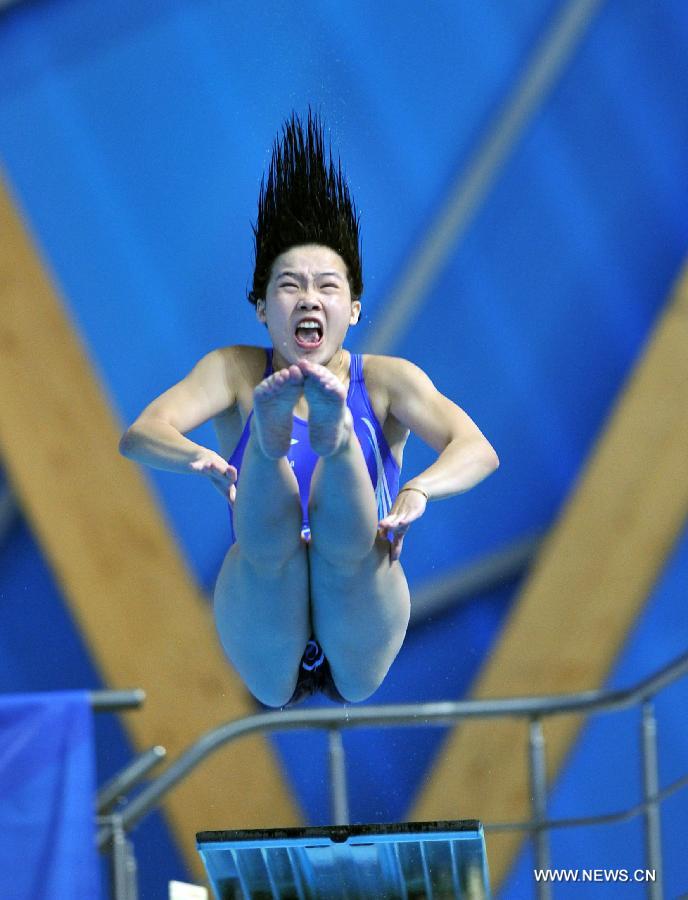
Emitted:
<point x="338" y="364"/>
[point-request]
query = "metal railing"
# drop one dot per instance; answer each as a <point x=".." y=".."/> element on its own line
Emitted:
<point x="123" y="872"/>
<point x="116" y="701"/>
<point x="115" y="826"/>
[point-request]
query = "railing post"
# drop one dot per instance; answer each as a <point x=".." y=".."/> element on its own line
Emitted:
<point x="123" y="877"/>
<point x="538" y="792"/>
<point x="653" y="837"/>
<point x="338" y="789"/>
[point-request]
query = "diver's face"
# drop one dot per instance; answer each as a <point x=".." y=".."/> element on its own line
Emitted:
<point x="308" y="307"/>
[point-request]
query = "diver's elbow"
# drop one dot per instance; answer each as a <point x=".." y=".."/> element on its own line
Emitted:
<point x="127" y="442"/>
<point x="491" y="459"/>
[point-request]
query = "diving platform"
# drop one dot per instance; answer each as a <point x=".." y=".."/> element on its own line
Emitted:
<point x="399" y="861"/>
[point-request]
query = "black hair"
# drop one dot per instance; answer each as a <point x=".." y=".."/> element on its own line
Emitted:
<point x="305" y="200"/>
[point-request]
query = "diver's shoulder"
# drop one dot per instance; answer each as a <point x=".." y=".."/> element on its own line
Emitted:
<point x="388" y="371"/>
<point x="243" y="363"/>
<point x="241" y="353"/>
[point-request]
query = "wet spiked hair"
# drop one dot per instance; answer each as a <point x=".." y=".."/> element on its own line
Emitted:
<point x="305" y="200"/>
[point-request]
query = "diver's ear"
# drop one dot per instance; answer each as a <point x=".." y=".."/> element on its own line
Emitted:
<point x="355" y="312"/>
<point x="260" y="310"/>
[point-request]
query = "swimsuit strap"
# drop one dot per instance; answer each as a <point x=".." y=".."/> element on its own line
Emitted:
<point x="356" y="367"/>
<point x="268" y="362"/>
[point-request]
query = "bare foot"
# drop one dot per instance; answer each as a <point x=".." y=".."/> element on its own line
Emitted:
<point x="330" y="425"/>
<point x="274" y="400"/>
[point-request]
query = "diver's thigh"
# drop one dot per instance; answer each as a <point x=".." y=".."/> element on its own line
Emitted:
<point x="263" y="621"/>
<point x="360" y="617"/>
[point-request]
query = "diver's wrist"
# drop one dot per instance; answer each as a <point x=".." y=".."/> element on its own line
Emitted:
<point x="414" y="486"/>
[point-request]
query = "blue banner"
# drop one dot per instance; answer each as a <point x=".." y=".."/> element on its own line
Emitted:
<point x="47" y="797"/>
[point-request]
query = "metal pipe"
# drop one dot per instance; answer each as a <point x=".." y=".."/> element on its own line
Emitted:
<point x="653" y="838"/>
<point x="652" y="799"/>
<point x="538" y="791"/>
<point x="132" y="873"/>
<point x="421" y="714"/>
<point x="126" y="779"/>
<point x="113" y="701"/>
<point x="614" y="818"/>
<point x="121" y="862"/>
<point x="113" y="828"/>
<point x="338" y="788"/>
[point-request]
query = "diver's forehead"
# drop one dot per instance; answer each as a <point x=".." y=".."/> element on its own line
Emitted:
<point x="309" y="259"/>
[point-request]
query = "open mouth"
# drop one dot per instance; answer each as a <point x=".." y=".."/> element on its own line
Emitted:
<point x="309" y="333"/>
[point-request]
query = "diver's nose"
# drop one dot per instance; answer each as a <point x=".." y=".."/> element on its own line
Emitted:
<point x="309" y="300"/>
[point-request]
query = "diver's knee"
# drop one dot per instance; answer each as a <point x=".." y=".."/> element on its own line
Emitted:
<point x="271" y="693"/>
<point x="356" y="690"/>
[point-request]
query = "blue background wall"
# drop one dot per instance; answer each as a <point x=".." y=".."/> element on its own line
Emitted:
<point x="134" y="136"/>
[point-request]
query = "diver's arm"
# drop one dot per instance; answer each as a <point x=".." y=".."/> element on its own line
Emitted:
<point x="465" y="456"/>
<point x="157" y="439"/>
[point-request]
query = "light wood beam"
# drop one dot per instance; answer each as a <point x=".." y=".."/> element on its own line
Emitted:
<point x="99" y="526"/>
<point x="589" y="583"/>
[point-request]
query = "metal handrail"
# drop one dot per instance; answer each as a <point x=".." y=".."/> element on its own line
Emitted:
<point x="419" y="714"/>
<point x="106" y="700"/>
<point x="611" y="818"/>
<point x="118" y="786"/>
<point x="113" y="701"/>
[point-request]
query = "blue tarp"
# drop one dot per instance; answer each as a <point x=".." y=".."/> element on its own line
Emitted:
<point x="47" y="789"/>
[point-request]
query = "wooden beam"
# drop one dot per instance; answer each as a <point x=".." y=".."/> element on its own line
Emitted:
<point x="142" y="616"/>
<point x="588" y="585"/>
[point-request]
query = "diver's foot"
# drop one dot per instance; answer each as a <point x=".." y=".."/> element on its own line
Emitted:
<point x="273" y="410"/>
<point x="330" y="425"/>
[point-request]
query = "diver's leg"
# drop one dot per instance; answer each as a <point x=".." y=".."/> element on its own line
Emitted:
<point x="261" y="600"/>
<point x="263" y="622"/>
<point x="342" y="508"/>
<point x="359" y="598"/>
<point x="360" y="616"/>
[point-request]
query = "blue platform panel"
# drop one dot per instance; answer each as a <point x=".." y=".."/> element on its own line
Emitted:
<point x="400" y="861"/>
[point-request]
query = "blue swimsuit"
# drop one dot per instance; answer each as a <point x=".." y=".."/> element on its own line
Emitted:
<point x="314" y="672"/>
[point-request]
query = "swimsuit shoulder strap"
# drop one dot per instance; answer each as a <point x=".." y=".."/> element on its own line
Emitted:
<point x="268" y="362"/>
<point x="356" y="368"/>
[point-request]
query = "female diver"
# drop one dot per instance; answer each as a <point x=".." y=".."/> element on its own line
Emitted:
<point x="311" y="595"/>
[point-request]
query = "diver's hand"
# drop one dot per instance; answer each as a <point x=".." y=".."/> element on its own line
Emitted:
<point x="218" y="470"/>
<point x="409" y="506"/>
